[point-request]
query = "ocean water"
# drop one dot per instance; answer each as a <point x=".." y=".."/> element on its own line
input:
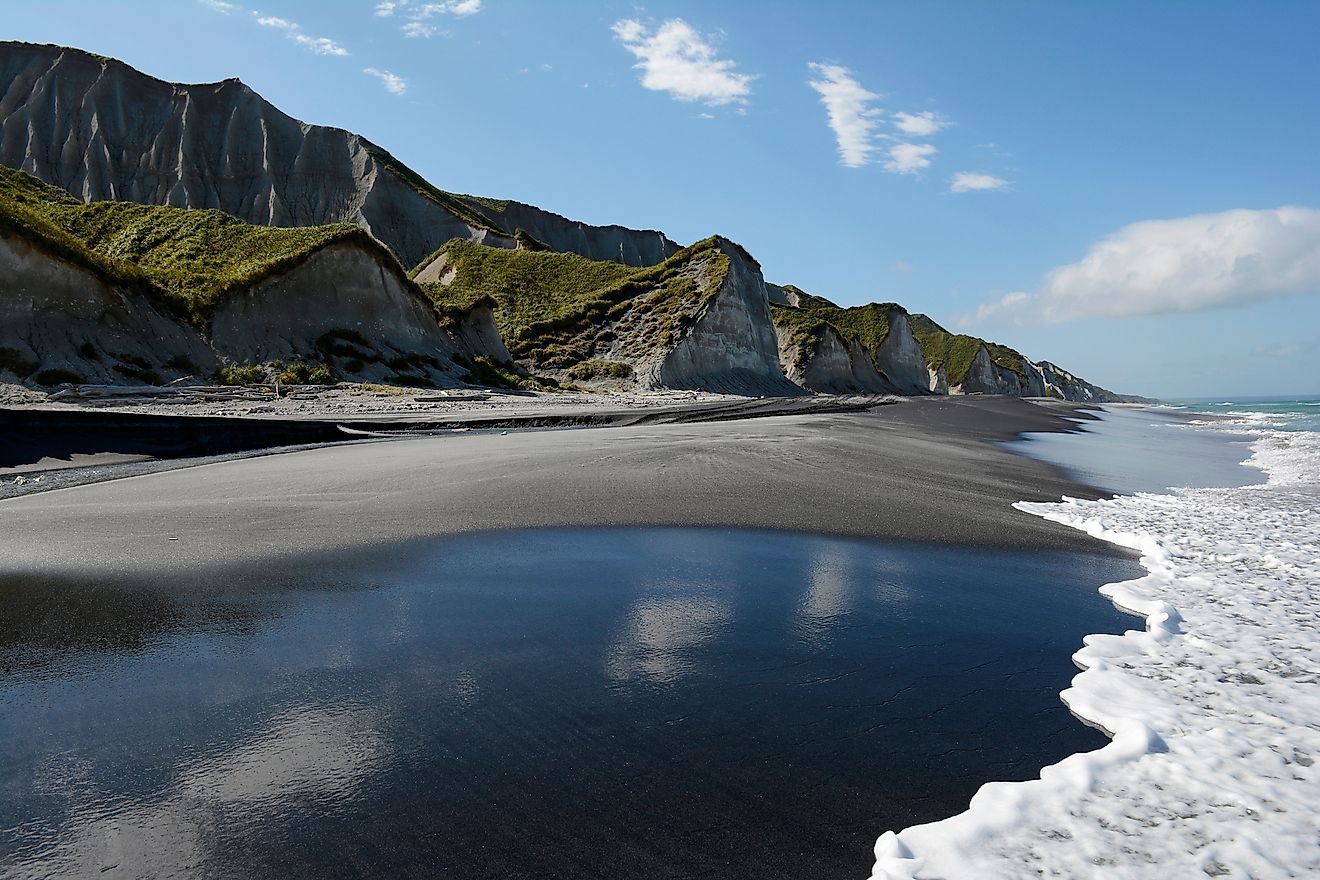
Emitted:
<point x="1214" y="705"/>
<point x="1145" y="450"/>
<point x="1273" y="413"/>
<point x="548" y="703"/>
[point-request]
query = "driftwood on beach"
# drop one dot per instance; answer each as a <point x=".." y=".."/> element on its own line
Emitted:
<point x="187" y="394"/>
<point x="163" y="393"/>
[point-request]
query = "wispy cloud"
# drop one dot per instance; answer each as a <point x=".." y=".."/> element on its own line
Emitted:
<point x="419" y="16"/>
<point x="675" y="58"/>
<point x="971" y="181"/>
<point x="395" y="85"/>
<point x="851" y="114"/>
<point x="318" y="45"/>
<point x="909" y="158"/>
<point x="220" y="6"/>
<point x="1188" y="264"/>
<point x="865" y="134"/>
<point x="923" y="124"/>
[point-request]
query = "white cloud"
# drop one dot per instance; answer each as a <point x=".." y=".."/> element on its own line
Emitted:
<point x="318" y="45"/>
<point x="1188" y="264"/>
<point x="395" y="85"/>
<point x="456" y="8"/>
<point x="220" y="6"/>
<point x="419" y="15"/>
<point x="419" y="29"/>
<point x="679" y="60"/>
<point x="859" y="129"/>
<point x="909" y="158"/>
<point x="971" y="181"/>
<point x="852" y="118"/>
<point x="922" y="124"/>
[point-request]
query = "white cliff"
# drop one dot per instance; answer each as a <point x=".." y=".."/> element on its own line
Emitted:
<point x="731" y="345"/>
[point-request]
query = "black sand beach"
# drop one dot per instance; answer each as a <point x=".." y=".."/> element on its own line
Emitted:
<point x="919" y="470"/>
<point x="311" y="639"/>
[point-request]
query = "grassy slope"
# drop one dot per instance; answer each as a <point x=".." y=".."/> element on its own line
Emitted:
<point x="956" y="351"/>
<point x="869" y="326"/>
<point x="555" y="309"/>
<point x="190" y="258"/>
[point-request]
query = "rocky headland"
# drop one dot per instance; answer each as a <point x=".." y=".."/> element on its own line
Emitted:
<point x="153" y="232"/>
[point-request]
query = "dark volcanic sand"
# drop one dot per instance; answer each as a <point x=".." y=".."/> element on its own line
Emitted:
<point x="192" y="577"/>
<point x="920" y="470"/>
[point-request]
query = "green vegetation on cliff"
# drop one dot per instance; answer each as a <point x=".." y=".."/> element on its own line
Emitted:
<point x="190" y="258"/>
<point x="866" y="325"/>
<point x="955" y="352"/>
<point x="558" y="310"/>
<point x="804" y="329"/>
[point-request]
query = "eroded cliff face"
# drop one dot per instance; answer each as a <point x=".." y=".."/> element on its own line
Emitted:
<point x="987" y="377"/>
<point x="1058" y="382"/>
<point x="836" y="365"/>
<point x="833" y="366"/>
<point x="476" y="334"/>
<point x="1038" y="379"/>
<point x="60" y="322"/>
<point x="1033" y="383"/>
<point x="632" y="247"/>
<point x="342" y="305"/>
<point x="731" y="346"/>
<point x="901" y="359"/>
<point x="102" y="130"/>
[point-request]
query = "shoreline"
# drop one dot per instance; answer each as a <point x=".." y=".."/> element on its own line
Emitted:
<point x="925" y="469"/>
<point x="1208" y="707"/>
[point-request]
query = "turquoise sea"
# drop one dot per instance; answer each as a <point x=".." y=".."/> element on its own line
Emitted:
<point x="1277" y="413"/>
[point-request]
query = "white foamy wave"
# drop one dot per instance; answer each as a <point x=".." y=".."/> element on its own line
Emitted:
<point x="1214" y="708"/>
<point x="1290" y="458"/>
<point x="1242" y="420"/>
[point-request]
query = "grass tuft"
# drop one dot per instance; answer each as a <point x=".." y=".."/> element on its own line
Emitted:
<point x="305" y="374"/>
<point x="240" y="375"/>
<point x="600" y="370"/>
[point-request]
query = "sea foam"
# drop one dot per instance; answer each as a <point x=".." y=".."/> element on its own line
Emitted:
<point x="1214" y="709"/>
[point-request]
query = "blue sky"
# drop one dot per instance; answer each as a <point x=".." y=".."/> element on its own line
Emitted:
<point x="1078" y="123"/>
